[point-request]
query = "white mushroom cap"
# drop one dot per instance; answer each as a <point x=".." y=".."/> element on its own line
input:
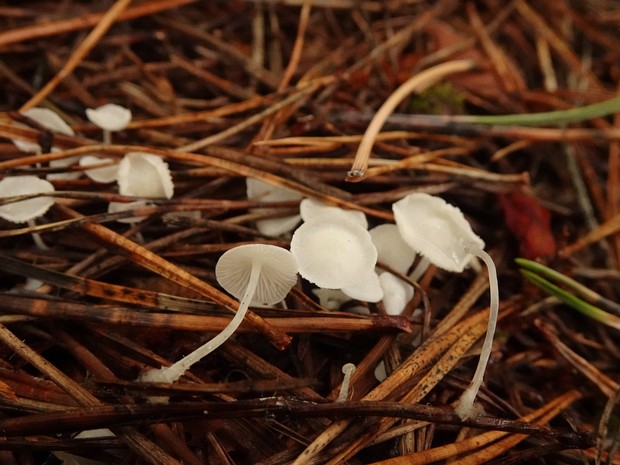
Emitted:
<point x="46" y="118"/>
<point x="391" y="247"/>
<point x="115" y="207"/>
<point x="109" y="117"/>
<point x="332" y="252"/>
<point x="311" y="208"/>
<point x="25" y="210"/>
<point x="367" y="288"/>
<point x="144" y="175"/>
<point x="436" y="230"/>
<point x="262" y="191"/>
<point x="396" y="293"/>
<point x="278" y="272"/>
<point x="63" y="163"/>
<point x="102" y="175"/>
<point x="331" y="299"/>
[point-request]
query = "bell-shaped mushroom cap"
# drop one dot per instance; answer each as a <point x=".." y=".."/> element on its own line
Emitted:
<point x="332" y="252"/>
<point x="396" y="293"/>
<point x="47" y="119"/>
<point x="435" y="229"/>
<point x="311" y="208"/>
<point x="144" y="175"/>
<point x="109" y="117"/>
<point x="278" y="272"/>
<point x="367" y="288"/>
<point x="103" y="175"/>
<point x="392" y="249"/>
<point x="25" y="210"/>
<point x="264" y="192"/>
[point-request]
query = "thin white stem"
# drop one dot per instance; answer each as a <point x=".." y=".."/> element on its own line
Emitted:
<point x="107" y="137"/>
<point x="36" y="237"/>
<point x="465" y="408"/>
<point x="347" y="369"/>
<point x="175" y="371"/>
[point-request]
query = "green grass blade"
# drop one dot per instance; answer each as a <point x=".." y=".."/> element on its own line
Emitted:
<point x="575" y="302"/>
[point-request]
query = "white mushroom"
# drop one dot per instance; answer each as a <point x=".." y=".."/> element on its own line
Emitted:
<point x="110" y="118"/>
<point x="63" y="163"/>
<point x="253" y="273"/>
<point x="264" y="192"/>
<point x="144" y="175"/>
<point x="25" y="211"/>
<point x="396" y="293"/>
<point x="47" y="119"/>
<point x="104" y="174"/>
<point x="311" y="208"/>
<point x="332" y="252"/>
<point x="391" y="247"/>
<point x="367" y="288"/>
<point x="440" y="232"/>
<point x="115" y="207"/>
<point x="347" y="370"/>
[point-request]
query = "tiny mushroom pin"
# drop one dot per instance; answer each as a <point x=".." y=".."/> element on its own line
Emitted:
<point x="347" y="370"/>
<point x="440" y="232"/>
<point x="253" y="273"/>
<point x="109" y="117"/>
<point x="335" y="253"/>
<point x="25" y="211"/>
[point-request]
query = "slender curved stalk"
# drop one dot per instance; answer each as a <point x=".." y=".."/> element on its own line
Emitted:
<point x="465" y="407"/>
<point x="417" y="83"/>
<point x="175" y="371"/>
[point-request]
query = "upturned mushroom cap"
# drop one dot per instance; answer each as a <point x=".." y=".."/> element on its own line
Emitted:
<point x="332" y="252"/>
<point x="262" y="191"/>
<point x="103" y="175"/>
<point x="436" y="230"/>
<point x="25" y="210"/>
<point x="396" y="293"/>
<point x="146" y="175"/>
<point x="392" y="249"/>
<point x="312" y="208"/>
<point x="278" y="273"/>
<point x="46" y="118"/>
<point x="367" y="288"/>
<point x="109" y="117"/>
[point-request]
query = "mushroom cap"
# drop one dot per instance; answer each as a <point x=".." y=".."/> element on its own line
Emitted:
<point x="332" y="252"/>
<point x="367" y="288"/>
<point x="103" y="175"/>
<point x="109" y="117"/>
<point x="391" y="247"/>
<point x="115" y="207"/>
<point x="312" y="208"/>
<point x="46" y="118"/>
<point x="146" y="175"/>
<point x="396" y="293"/>
<point x="262" y="191"/>
<point x="63" y="163"/>
<point x="436" y="230"/>
<point x="25" y="210"/>
<point x="278" y="273"/>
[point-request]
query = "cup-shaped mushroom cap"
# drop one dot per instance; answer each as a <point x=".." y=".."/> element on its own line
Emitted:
<point x="367" y="288"/>
<point x="332" y="252"/>
<point x="311" y="208"/>
<point x="396" y="293"/>
<point x="436" y="230"/>
<point x="109" y="117"/>
<point x="47" y="119"/>
<point x="25" y="210"/>
<point x="144" y="175"/>
<point x="278" y="272"/>
<point x="264" y="192"/>
<point x="103" y="175"/>
<point x="392" y="249"/>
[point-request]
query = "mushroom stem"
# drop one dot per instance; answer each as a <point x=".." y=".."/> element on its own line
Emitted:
<point x="36" y="237"/>
<point x="347" y="369"/>
<point x="465" y="407"/>
<point x="176" y="370"/>
<point x="107" y="137"/>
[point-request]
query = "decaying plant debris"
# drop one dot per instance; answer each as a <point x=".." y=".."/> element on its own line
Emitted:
<point x="283" y="92"/>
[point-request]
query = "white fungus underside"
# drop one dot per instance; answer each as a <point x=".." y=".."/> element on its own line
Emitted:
<point x="144" y="175"/>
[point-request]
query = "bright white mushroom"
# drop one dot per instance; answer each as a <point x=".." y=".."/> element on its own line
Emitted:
<point x="104" y="174"/>
<point x="440" y="232"/>
<point x="264" y="192"/>
<point x="255" y="274"/>
<point x="392" y="249"/>
<point x="332" y="252"/>
<point x="144" y="175"/>
<point x="109" y="117"/>
<point x="47" y="119"/>
<point x="25" y="211"/>
<point x="312" y="208"/>
<point x="347" y="370"/>
<point x="396" y="293"/>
